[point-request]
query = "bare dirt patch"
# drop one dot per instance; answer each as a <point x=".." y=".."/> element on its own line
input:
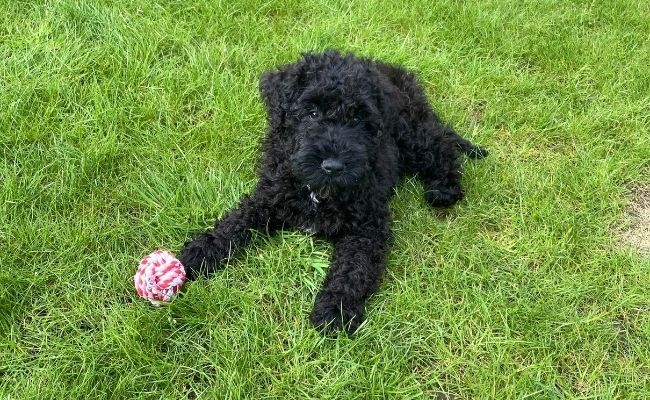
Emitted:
<point x="636" y="232"/>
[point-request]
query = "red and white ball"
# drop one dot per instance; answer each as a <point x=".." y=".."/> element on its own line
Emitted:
<point x="159" y="277"/>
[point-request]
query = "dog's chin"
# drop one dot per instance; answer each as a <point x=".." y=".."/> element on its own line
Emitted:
<point x="325" y="192"/>
<point x="330" y="187"/>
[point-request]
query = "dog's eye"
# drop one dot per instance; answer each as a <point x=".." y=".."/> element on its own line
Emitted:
<point x="314" y="114"/>
<point x="356" y="120"/>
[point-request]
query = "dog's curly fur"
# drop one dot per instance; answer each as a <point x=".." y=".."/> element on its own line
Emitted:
<point x="343" y="130"/>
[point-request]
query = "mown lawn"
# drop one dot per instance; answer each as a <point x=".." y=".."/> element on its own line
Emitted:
<point x="127" y="126"/>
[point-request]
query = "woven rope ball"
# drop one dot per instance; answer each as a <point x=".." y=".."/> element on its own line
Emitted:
<point x="159" y="277"/>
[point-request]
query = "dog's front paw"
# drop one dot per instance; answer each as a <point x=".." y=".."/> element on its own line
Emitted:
<point x="329" y="316"/>
<point x="200" y="256"/>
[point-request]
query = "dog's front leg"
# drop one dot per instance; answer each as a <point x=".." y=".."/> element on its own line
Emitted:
<point x="209" y="250"/>
<point x="354" y="274"/>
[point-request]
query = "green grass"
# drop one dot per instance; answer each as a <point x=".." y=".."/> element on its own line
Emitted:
<point x="126" y="126"/>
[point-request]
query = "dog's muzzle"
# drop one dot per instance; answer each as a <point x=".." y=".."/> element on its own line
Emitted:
<point x="331" y="160"/>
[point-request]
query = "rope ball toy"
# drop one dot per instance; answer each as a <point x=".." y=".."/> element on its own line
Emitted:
<point x="159" y="277"/>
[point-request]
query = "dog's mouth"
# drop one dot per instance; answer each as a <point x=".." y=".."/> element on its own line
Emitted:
<point x="327" y="187"/>
<point x="331" y="187"/>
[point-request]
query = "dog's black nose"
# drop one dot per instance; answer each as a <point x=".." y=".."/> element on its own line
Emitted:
<point x="332" y="166"/>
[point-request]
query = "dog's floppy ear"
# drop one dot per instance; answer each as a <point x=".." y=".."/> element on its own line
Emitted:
<point x="279" y="90"/>
<point x="389" y="105"/>
<point x="271" y="88"/>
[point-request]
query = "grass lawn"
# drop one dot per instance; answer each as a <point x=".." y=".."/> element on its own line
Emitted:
<point x="127" y="126"/>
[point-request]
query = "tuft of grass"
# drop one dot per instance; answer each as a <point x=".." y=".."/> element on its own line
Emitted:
<point x="126" y="126"/>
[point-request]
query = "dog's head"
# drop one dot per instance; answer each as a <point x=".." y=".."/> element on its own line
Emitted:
<point x="328" y="112"/>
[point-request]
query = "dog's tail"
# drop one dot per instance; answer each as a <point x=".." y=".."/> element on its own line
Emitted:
<point x="470" y="149"/>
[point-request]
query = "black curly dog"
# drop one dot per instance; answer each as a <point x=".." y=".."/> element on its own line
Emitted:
<point x="342" y="131"/>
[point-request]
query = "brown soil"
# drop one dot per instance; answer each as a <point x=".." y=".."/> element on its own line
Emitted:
<point x="637" y="231"/>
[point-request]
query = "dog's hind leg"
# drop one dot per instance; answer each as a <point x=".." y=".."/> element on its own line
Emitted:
<point x="432" y="152"/>
<point x="470" y="149"/>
